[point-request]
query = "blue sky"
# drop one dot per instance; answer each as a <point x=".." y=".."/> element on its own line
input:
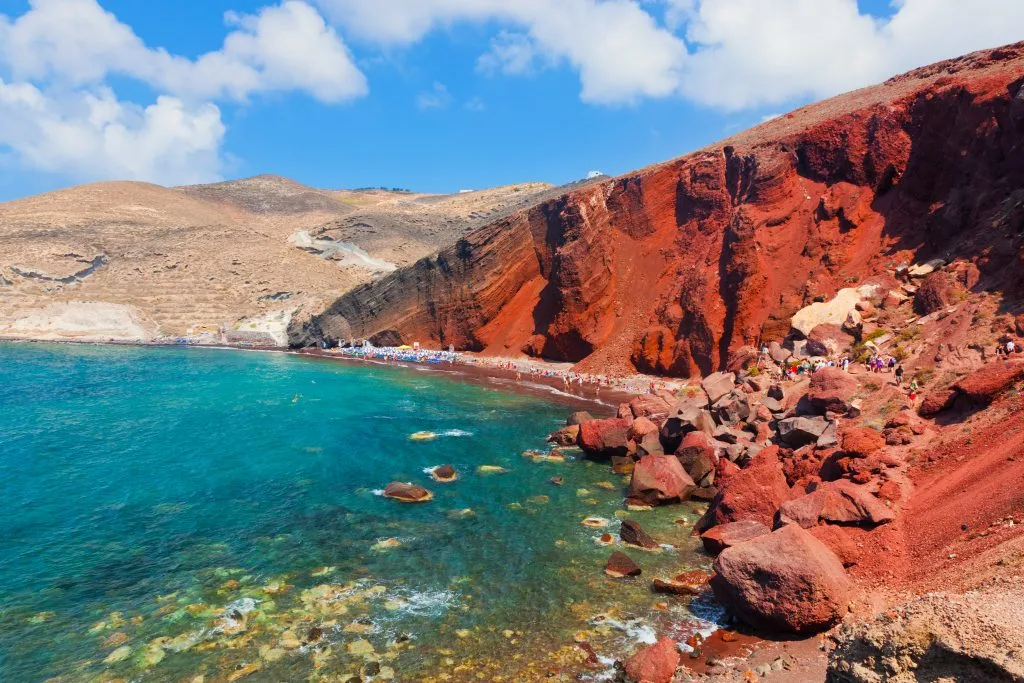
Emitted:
<point x="462" y="94"/>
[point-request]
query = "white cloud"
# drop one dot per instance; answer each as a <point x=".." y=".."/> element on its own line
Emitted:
<point x="91" y="135"/>
<point x="619" y="50"/>
<point x="58" y="115"/>
<point x="475" y="103"/>
<point x="281" y="48"/>
<point x="748" y="53"/>
<point x="729" y="54"/>
<point x="437" y="97"/>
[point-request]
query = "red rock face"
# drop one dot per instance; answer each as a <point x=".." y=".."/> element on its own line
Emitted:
<point x="675" y="268"/>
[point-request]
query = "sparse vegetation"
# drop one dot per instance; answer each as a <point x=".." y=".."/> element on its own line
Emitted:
<point x="908" y="333"/>
<point x="924" y="375"/>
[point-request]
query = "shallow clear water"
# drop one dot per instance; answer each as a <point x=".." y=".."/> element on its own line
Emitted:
<point x="171" y="513"/>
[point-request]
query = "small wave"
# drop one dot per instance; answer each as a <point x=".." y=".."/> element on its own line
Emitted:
<point x="377" y="492"/>
<point x="637" y="630"/>
<point x="242" y="605"/>
<point x="456" y="432"/>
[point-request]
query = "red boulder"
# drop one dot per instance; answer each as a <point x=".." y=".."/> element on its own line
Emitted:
<point x="718" y="538"/>
<point x="838" y="502"/>
<point x="660" y="479"/>
<point x="985" y="385"/>
<point x="605" y="438"/>
<point x="831" y="389"/>
<point x="654" y="664"/>
<point x="939" y="290"/>
<point x="861" y="441"/>
<point x="657" y="408"/>
<point x="755" y="492"/>
<point x="785" y="582"/>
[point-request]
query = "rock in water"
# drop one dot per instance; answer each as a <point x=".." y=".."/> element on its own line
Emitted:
<point x="632" y="534"/>
<point x="444" y="473"/>
<point x="605" y="438"/>
<point x="407" y="493"/>
<point x="620" y="565"/>
<point x="654" y="664"/>
<point x="660" y="479"/>
<point x="566" y="436"/>
<point x="687" y="583"/>
<point x="784" y="582"/>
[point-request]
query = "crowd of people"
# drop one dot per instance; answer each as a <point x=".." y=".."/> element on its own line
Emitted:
<point x="876" y="363"/>
<point x="404" y="354"/>
<point x="574" y="382"/>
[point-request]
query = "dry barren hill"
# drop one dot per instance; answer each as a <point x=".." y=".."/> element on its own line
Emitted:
<point x="126" y="260"/>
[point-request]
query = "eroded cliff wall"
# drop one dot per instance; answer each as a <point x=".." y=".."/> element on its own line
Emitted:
<point x="674" y="268"/>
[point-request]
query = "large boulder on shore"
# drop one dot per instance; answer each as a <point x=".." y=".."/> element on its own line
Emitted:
<point x="653" y="664"/>
<point x="605" y="438"/>
<point x="718" y="384"/>
<point x="800" y="431"/>
<point x="652" y="406"/>
<point x="936" y="401"/>
<point x="831" y="390"/>
<point x="718" y="538"/>
<point x="837" y="502"/>
<point x="697" y="454"/>
<point x="660" y="479"/>
<point x="784" y="582"/>
<point x="753" y="493"/>
<point x="577" y="418"/>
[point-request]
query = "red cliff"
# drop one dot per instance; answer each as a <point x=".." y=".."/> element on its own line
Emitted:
<point x="674" y="267"/>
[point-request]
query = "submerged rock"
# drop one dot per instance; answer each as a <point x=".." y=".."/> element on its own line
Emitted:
<point x="407" y="493"/>
<point x="422" y="436"/>
<point x="687" y="583"/>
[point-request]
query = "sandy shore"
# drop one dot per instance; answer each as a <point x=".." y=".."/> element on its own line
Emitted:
<point x="537" y="378"/>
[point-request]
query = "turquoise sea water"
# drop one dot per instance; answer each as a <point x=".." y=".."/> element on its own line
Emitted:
<point x="174" y="513"/>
